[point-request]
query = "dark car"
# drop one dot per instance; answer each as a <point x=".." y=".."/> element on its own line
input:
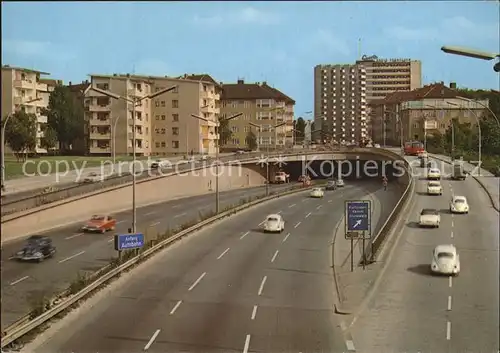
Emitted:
<point x="37" y="248"/>
<point x="331" y="185"/>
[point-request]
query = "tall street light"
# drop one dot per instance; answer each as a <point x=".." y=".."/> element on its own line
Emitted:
<point x="217" y="146"/>
<point x="135" y="102"/>
<point x="267" y="157"/>
<point x="479" y="130"/>
<point x="472" y="53"/>
<point x="113" y="138"/>
<point x="2" y="143"/>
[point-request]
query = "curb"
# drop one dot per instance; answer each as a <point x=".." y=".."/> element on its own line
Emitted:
<point x="478" y="180"/>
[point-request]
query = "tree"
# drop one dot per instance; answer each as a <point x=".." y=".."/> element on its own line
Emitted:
<point x="49" y="139"/>
<point x="251" y="140"/>
<point x="20" y="133"/>
<point x="300" y="126"/>
<point x="224" y="131"/>
<point x="65" y="116"/>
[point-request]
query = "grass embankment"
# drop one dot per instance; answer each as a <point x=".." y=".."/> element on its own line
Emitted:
<point x="490" y="163"/>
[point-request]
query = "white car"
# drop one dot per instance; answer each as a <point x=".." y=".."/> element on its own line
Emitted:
<point x="459" y="204"/>
<point x="429" y="217"/>
<point x="433" y="174"/>
<point x="445" y="260"/>
<point x="340" y="183"/>
<point x="93" y="178"/>
<point x="434" y="188"/>
<point x="376" y="145"/>
<point x="317" y="192"/>
<point x="274" y="223"/>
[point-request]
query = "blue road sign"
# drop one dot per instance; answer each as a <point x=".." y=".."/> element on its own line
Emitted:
<point x="358" y="216"/>
<point x="129" y="241"/>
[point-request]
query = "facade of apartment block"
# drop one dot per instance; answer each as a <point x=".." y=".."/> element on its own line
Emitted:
<point x="422" y="112"/>
<point x="262" y="105"/>
<point x="340" y="106"/>
<point x="20" y="88"/>
<point x="163" y="125"/>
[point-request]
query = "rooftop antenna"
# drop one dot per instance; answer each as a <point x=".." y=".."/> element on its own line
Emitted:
<point x="359" y="48"/>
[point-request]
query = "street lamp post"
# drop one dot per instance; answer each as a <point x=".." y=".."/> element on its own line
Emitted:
<point x="267" y="157"/>
<point x="113" y="139"/>
<point x="2" y="143"/>
<point x="135" y="102"/>
<point x="217" y="146"/>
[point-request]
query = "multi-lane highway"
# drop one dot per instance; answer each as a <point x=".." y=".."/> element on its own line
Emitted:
<point x="412" y="311"/>
<point x="230" y="288"/>
<point x="78" y="252"/>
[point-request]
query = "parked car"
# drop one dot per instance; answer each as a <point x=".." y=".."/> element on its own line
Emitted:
<point x="274" y="223"/>
<point x="445" y="260"/>
<point x="37" y="248"/>
<point x="100" y="224"/>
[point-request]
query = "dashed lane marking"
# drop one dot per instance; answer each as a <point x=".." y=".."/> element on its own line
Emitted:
<point x="74" y="236"/>
<point x="319" y="207"/>
<point x="274" y="256"/>
<point x="224" y="253"/>
<point x="197" y="281"/>
<point x="298" y="224"/>
<point x="448" y="331"/>
<point x="174" y="309"/>
<point x="244" y="235"/>
<point x="247" y="344"/>
<point x="180" y="215"/>
<point x="307" y="215"/>
<point x="449" y="303"/>
<point x="72" y="257"/>
<point x="19" y="280"/>
<point x="154" y="224"/>
<point x="292" y="205"/>
<point x="151" y="340"/>
<point x="286" y="237"/>
<point x="450" y="281"/>
<point x="254" y="312"/>
<point x="261" y="288"/>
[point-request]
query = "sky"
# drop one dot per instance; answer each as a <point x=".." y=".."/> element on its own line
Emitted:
<point x="277" y="42"/>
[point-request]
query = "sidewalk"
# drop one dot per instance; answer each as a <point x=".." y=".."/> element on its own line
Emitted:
<point x="487" y="180"/>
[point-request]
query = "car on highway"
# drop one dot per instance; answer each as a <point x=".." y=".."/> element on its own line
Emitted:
<point x="317" y="193"/>
<point x="340" y="183"/>
<point x="433" y="174"/>
<point x="376" y="145"/>
<point x="459" y="204"/>
<point x="331" y="185"/>
<point x="445" y="260"/>
<point x="37" y="248"/>
<point x="158" y="164"/>
<point x="274" y="223"/>
<point x="429" y="217"/>
<point x="434" y="188"/>
<point x="93" y="177"/>
<point x="100" y="224"/>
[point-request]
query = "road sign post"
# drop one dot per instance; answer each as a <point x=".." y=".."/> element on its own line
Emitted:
<point x="358" y="225"/>
<point x="129" y="241"/>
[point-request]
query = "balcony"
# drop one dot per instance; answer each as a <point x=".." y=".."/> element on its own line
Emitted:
<point x="134" y="92"/>
<point x="92" y="93"/>
<point x="99" y="150"/>
<point x="41" y="87"/>
<point x="26" y="84"/>
<point x="100" y="122"/>
<point x="138" y="135"/>
<point x="99" y="136"/>
<point x="98" y="108"/>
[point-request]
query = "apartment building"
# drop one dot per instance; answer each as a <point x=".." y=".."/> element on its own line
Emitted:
<point x="262" y="105"/>
<point x="422" y="112"/>
<point x="26" y="89"/>
<point x="163" y="125"/>
<point x="340" y="106"/>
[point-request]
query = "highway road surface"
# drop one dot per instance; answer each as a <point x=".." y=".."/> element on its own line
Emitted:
<point x="412" y="311"/>
<point x="230" y="288"/>
<point x="78" y="252"/>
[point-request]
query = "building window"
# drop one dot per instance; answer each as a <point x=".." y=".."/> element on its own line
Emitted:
<point x="175" y="131"/>
<point x="163" y="131"/>
<point x="157" y="130"/>
<point x="247" y="128"/>
<point x="175" y="144"/>
<point x="175" y="117"/>
<point x="163" y="103"/>
<point x="247" y="104"/>
<point x="163" y="117"/>
<point x="415" y="125"/>
<point x="234" y="104"/>
<point x="163" y="144"/>
<point x="234" y="128"/>
<point x="175" y="103"/>
<point x="235" y="141"/>
<point x="157" y="145"/>
<point x="157" y="103"/>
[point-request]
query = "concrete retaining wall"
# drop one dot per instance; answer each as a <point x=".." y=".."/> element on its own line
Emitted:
<point x="150" y="192"/>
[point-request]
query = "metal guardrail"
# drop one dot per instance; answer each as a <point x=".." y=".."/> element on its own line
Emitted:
<point x="19" y="330"/>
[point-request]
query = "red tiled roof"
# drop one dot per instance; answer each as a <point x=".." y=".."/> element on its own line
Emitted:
<point x="199" y="77"/>
<point x="241" y="90"/>
<point x="434" y="91"/>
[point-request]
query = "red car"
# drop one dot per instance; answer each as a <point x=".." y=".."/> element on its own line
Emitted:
<point x="100" y="224"/>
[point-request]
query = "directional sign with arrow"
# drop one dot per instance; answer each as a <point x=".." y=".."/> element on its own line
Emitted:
<point x="358" y="216"/>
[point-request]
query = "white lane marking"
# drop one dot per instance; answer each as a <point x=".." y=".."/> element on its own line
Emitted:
<point x="19" y="280"/>
<point x="244" y="235"/>
<point x="298" y="224"/>
<point x="72" y="257"/>
<point x="292" y="205"/>
<point x="11" y="258"/>
<point x="274" y="256"/>
<point x="176" y="206"/>
<point x="149" y="213"/>
<point x="247" y="344"/>
<point x="307" y="215"/>
<point x="224" y="253"/>
<point x="450" y="281"/>
<point x="119" y="222"/>
<point x="304" y="200"/>
<point x="111" y="240"/>
<point x="151" y="340"/>
<point x="180" y="215"/>
<point x="449" y="303"/>
<point x="279" y="212"/>
<point x="74" y="236"/>
<point x="452" y="234"/>
<point x="452" y="222"/>
<point x="261" y="288"/>
<point x="319" y="207"/>
<point x="154" y="224"/>
<point x="286" y="237"/>
<point x="254" y="312"/>
<point x="330" y="201"/>
<point x="350" y="345"/>
<point x="261" y="223"/>
<point x="448" y="330"/>
<point x="197" y="281"/>
<point x="175" y="307"/>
